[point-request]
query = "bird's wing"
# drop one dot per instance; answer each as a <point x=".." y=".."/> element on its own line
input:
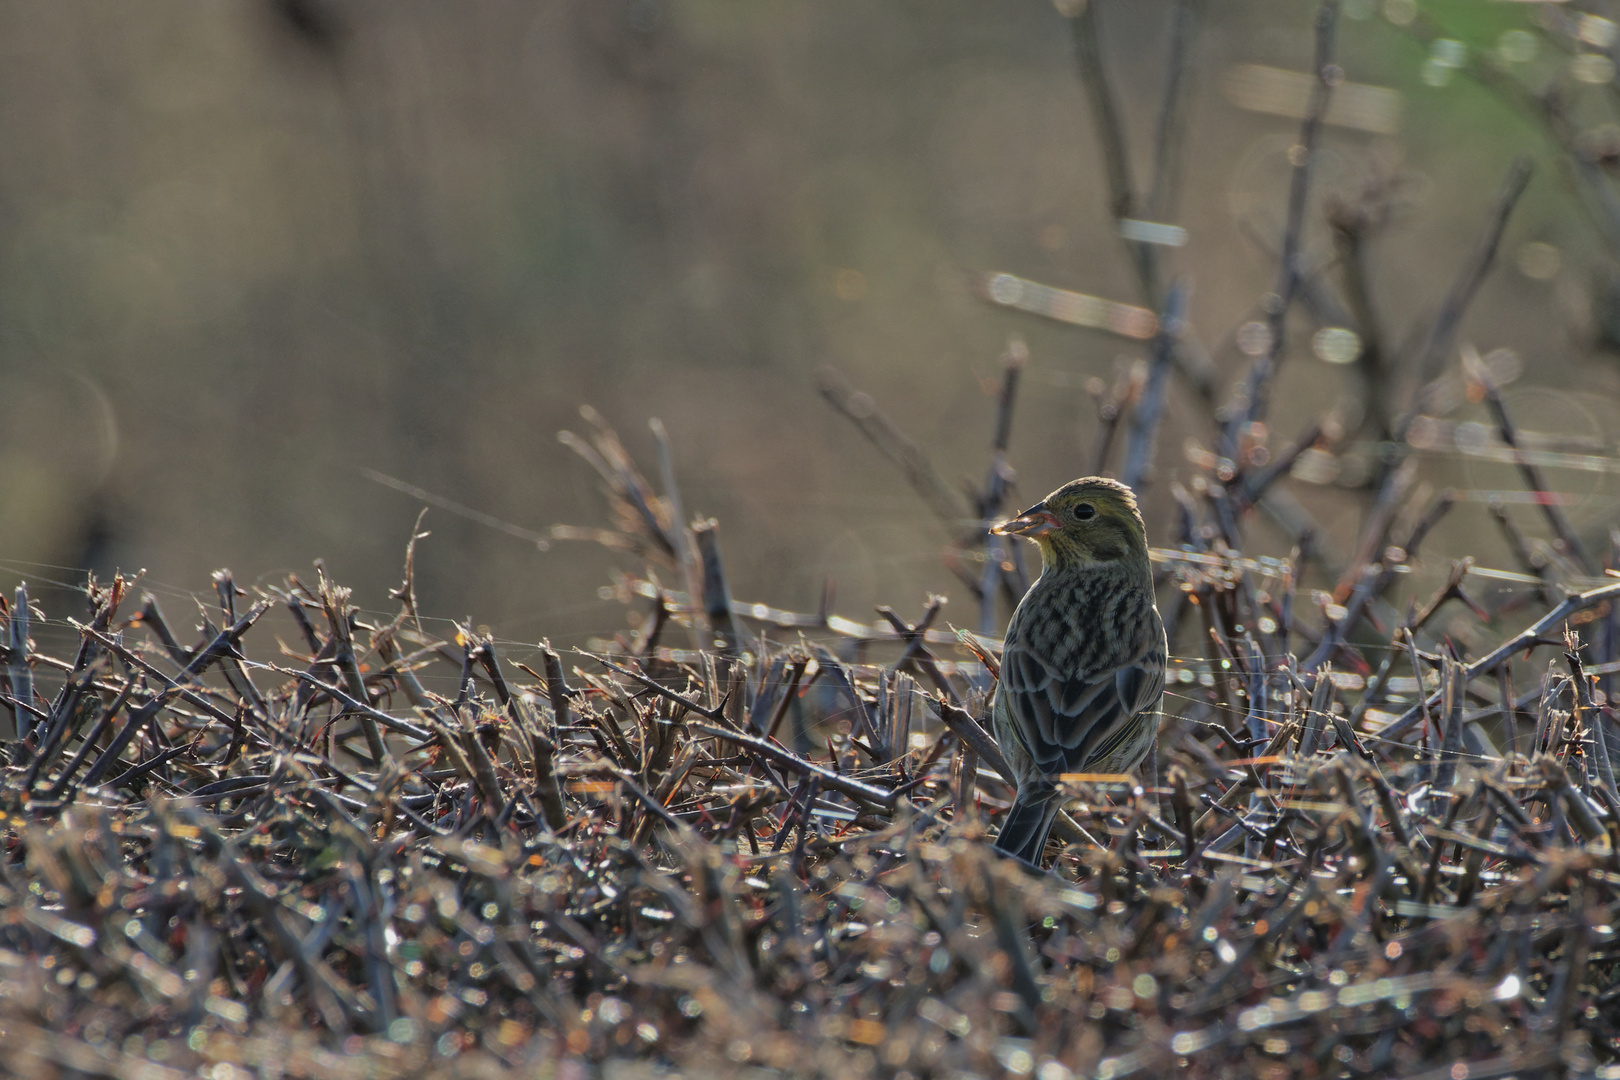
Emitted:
<point x="1069" y="722"/>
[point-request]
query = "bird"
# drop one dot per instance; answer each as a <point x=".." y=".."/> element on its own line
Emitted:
<point x="1082" y="667"/>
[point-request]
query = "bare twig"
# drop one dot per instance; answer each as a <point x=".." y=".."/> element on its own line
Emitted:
<point x="1256" y="389"/>
<point x="1425" y="361"/>
<point x="887" y="437"/>
<point x="1534" y="478"/>
<point x="1144" y="424"/>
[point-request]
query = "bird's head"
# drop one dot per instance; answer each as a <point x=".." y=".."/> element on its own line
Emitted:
<point x="1087" y="521"/>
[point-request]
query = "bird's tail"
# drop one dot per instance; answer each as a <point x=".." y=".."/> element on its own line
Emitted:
<point x="1023" y="834"/>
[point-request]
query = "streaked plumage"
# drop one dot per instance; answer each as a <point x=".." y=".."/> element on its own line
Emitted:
<point x="1082" y="671"/>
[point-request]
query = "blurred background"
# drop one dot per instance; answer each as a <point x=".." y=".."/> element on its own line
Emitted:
<point x="255" y="254"/>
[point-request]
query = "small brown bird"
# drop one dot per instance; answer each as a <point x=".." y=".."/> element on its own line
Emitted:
<point x="1082" y="671"/>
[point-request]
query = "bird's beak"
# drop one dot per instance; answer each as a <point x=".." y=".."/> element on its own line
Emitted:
<point x="1035" y="522"/>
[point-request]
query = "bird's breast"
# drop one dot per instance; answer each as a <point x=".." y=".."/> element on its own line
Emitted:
<point x="1087" y="621"/>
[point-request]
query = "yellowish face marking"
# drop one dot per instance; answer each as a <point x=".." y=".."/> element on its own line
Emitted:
<point x="1090" y="520"/>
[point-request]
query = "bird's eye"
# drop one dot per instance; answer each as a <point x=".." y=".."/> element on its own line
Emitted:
<point x="1085" y="512"/>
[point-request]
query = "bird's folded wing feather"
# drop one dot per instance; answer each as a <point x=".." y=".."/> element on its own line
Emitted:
<point x="1069" y="722"/>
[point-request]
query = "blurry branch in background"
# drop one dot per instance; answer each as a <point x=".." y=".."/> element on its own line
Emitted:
<point x="1164" y="196"/>
<point x="1066" y="306"/>
<point x="700" y="581"/>
<point x="1354" y="223"/>
<point x="861" y="408"/>
<point x="1535" y="479"/>
<point x="314" y="24"/>
<point x="1440" y="336"/>
<point x="1003" y="559"/>
<point x="1142" y="239"/>
<point x="1441" y="332"/>
<point x="634" y="507"/>
<point x="1113" y="404"/>
<point x="1162" y="199"/>
<point x="1144" y="427"/>
<point x="1116" y="158"/>
<point x="540" y="540"/>
<point x="1251" y="407"/>
<point x="1000" y="569"/>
